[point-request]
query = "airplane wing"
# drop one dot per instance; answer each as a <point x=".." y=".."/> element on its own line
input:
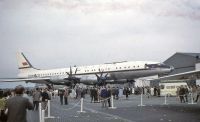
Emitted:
<point x="41" y="80"/>
<point x="191" y="75"/>
<point x="33" y="80"/>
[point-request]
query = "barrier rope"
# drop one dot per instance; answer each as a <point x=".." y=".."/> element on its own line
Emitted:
<point x="75" y="105"/>
<point x="88" y="100"/>
<point x="104" y="99"/>
<point x="185" y="97"/>
<point x="101" y="100"/>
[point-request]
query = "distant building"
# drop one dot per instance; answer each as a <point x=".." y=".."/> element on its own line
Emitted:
<point x="182" y="62"/>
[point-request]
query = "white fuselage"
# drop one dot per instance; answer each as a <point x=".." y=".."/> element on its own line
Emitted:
<point x="116" y="71"/>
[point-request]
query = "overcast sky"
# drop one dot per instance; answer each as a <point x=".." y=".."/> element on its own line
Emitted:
<point x="60" y="33"/>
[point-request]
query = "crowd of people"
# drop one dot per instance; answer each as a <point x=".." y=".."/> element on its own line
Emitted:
<point x="183" y="92"/>
<point x="63" y="94"/>
<point x="9" y="108"/>
<point x="14" y="105"/>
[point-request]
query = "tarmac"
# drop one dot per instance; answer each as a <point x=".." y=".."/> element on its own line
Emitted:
<point x="127" y="110"/>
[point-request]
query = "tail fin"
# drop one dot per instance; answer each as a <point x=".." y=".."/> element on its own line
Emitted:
<point x="23" y="64"/>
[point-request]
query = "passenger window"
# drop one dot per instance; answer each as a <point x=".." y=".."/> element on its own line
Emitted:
<point x="168" y="87"/>
<point x="172" y="87"/>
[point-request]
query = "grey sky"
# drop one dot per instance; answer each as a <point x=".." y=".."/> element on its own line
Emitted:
<point x="60" y="33"/>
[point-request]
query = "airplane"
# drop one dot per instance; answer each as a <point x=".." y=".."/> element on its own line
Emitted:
<point x="116" y="72"/>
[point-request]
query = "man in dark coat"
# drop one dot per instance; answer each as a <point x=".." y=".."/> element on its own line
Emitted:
<point x="104" y="96"/>
<point x="181" y="94"/>
<point x="17" y="106"/>
<point x="45" y="97"/>
<point x="92" y="94"/>
<point x="61" y="94"/>
<point x="109" y="95"/>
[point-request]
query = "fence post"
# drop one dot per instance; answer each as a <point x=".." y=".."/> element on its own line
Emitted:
<point x="81" y="111"/>
<point x="40" y="112"/>
<point x="165" y="103"/>
<point x="192" y="101"/>
<point x="141" y="101"/>
<point x="112" y="103"/>
<point x="48" y="105"/>
<point x="49" y="110"/>
<point x="42" y="117"/>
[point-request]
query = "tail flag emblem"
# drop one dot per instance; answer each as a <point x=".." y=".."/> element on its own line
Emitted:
<point x="24" y="63"/>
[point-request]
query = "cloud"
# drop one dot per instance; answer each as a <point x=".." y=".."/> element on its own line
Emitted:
<point x="178" y="8"/>
<point x="60" y="33"/>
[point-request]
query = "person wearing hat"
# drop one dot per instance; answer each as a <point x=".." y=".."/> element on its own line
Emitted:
<point x="17" y="106"/>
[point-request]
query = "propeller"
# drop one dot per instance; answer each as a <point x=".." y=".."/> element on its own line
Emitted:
<point x="131" y="81"/>
<point x="101" y="80"/>
<point x="71" y="77"/>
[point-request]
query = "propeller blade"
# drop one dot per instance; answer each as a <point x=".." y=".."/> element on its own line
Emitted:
<point x="97" y="76"/>
<point x="76" y="70"/>
<point x="70" y="70"/>
<point x="106" y="75"/>
<point x="68" y="73"/>
<point x="101" y="75"/>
